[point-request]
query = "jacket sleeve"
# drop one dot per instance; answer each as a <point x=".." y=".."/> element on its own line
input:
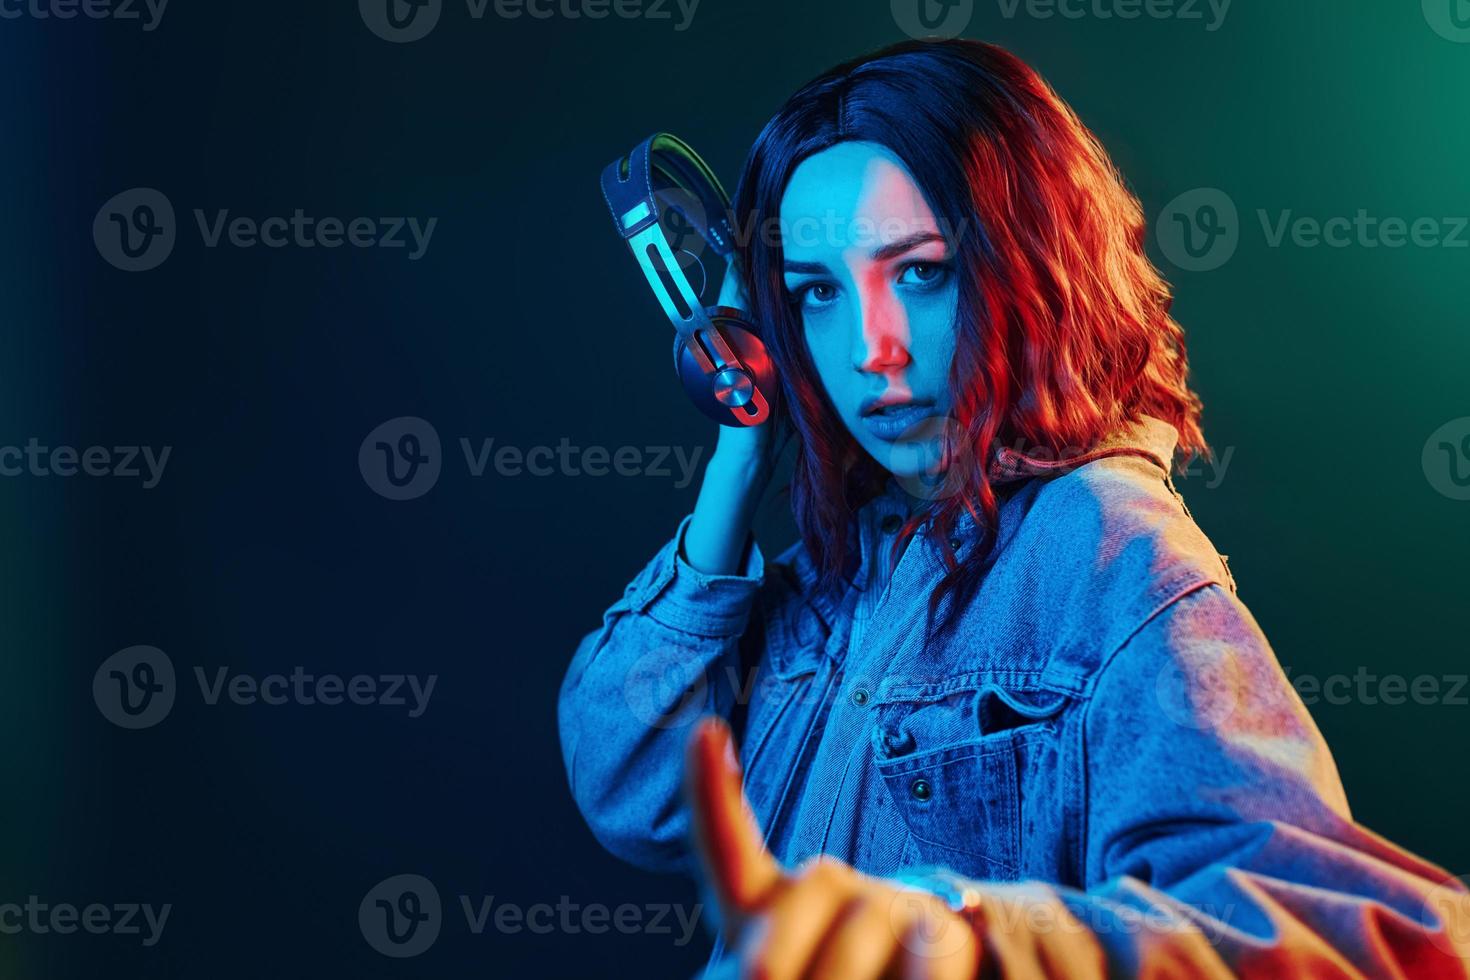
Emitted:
<point x="1218" y="839"/>
<point x="667" y="652"/>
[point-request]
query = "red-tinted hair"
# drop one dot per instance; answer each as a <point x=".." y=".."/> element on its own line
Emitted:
<point x="1063" y="332"/>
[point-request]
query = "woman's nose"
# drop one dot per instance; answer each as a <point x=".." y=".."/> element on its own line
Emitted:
<point x="880" y="338"/>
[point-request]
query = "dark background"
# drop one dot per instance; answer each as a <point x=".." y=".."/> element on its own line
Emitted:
<point x="262" y="548"/>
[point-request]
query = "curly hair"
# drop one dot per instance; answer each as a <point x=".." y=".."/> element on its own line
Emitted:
<point x="1063" y="330"/>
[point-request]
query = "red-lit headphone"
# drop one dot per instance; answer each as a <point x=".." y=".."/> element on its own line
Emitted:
<point x="660" y="194"/>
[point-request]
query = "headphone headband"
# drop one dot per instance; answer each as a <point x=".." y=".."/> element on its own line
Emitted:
<point x="728" y="372"/>
<point x="628" y="187"/>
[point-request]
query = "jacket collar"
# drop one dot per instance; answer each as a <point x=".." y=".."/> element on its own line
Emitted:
<point x="1148" y="437"/>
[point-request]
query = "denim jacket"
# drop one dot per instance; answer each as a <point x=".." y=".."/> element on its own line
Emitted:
<point x="1108" y="723"/>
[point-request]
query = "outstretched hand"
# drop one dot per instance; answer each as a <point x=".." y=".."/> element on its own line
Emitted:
<point x="825" y="920"/>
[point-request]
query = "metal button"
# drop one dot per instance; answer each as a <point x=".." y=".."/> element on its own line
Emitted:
<point x="954" y="544"/>
<point x="921" y="789"/>
<point x="891" y="523"/>
<point x="860" y="696"/>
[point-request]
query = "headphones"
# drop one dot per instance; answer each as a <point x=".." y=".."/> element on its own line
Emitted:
<point x="660" y="195"/>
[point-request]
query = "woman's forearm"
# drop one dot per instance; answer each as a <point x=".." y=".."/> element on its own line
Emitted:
<point x="728" y="497"/>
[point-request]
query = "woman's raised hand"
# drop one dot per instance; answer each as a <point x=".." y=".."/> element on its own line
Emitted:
<point x="757" y="446"/>
<point x="825" y="920"/>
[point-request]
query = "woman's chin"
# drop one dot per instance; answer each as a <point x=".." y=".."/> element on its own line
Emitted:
<point x="908" y="459"/>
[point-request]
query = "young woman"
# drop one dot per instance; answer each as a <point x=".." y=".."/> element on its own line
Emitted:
<point x="1000" y="710"/>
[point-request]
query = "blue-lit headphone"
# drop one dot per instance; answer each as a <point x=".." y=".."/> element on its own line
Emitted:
<point x="660" y="191"/>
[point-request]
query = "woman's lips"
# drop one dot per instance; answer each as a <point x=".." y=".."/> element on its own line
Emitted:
<point x="893" y="422"/>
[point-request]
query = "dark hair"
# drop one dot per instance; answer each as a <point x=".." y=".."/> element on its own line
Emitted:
<point x="1063" y="331"/>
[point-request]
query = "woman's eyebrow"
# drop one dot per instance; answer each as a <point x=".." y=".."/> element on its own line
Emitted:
<point x="880" y="254"/>
<point x="902" y="245"/>
<point x="805" y="268"/>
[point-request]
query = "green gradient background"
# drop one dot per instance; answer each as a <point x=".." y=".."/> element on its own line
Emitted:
<point x="1323" y="370"/>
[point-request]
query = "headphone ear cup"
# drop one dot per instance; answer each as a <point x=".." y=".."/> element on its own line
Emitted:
<point x="756" y="363"/>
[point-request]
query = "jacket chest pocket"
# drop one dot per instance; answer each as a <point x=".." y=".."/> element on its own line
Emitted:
<point x="951" y="763"/>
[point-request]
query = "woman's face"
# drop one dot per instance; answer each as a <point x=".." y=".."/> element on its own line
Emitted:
<point x="873" y="282"/>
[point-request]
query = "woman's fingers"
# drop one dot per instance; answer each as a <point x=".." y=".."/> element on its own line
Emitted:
<point x="941" y="954"/>
<point x="781" y="943"/>
<point x="828" y="921"/>
<point x="739" y="870"/>
<point x="863" y="944"/>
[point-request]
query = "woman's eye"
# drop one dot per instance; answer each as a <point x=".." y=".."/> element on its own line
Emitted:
<point x="815" y="294"/>
<point x="924" y="273"/>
